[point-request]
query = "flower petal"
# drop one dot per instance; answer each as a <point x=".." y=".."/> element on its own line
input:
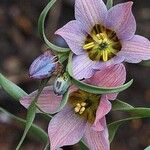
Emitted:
<point x="103" y="109"/>
<point x="112" y="76"/>
<point x="136" y="49"/>
<point x="115" y="60"/>
<point x="65" y="128"/>
<point x="121" y="20"/>
<point x="73" y="35"/>
<point x="97" y="140"/>
<point x="82" y="67"/>
<point x="90" y="13"/>
<point x="47" y="101"/>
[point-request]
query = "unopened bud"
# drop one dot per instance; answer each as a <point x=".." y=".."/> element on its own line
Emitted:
<point x="43" y="66"/>
<point x="61" y="84"/>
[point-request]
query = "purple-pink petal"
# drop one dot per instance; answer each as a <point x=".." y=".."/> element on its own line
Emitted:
<point x="65" y="128"/>
<point x="74" y="35"/>
<point x="135" y="49"/>
<point x="97" y="140"/>
<point x="112" y="76"/>
<point x="115" y="60"/>
<point x="90" y="13"/>
<point x="43" y="66"/>
<point x="47" y="101"/>
<point x="121" y="20"/>
<point x="82" y="66"/>
<point x="103" y="109"/>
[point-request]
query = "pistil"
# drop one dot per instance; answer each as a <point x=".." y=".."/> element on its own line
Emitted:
<point x="102" y="44"/>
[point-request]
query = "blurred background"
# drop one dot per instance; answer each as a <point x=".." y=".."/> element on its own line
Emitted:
<point x="20" y="44"/>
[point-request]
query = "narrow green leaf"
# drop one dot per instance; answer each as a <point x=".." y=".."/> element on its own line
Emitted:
<point x="83" y="145"/>
<point x="30" y="118"/>
<point x="12" y="89"/>
<point x="41" y="22"/>
<point x="136" y="113"/>
<point x="31" y="112"/>
<point x="47" y="146"/>
<point x="109" y="4"/>
<point x="95" y="89"/>
<point x="34" y="130"/>
<point x="120" y="105"/>
<point x="147" y="148"/>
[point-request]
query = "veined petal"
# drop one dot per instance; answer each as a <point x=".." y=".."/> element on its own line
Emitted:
<point x="43" y="66"/>
<point x="111" y="76"/>
<point x="65" y="128"/>
<point x="74" y="35"/>
<point x="97" y="140"/>
<point x="136" y="49"/>
<point x="121" y="20"/>
<point x="103" y="109"/>
<point x="47" y="101"/>
<point x="115" y="60"/>
<point x="90" y="13"/>
<point x="82" y="66"/>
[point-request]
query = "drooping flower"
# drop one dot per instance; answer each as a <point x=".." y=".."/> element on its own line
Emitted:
<point x="43" y="66"/>
<point x="99" y="37"/>
<point x="84" y="115"/>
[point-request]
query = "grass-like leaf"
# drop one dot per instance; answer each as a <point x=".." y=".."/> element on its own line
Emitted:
<point x="12" y="89"/>
<point x="34" y="130"/>
<point x="41" y="27"/>
<point x="136" y="113"/>
<point x="109" y="4"/>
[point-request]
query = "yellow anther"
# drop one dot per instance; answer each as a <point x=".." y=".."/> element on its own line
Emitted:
<point x="89" y="45"/>
<point x="77" y="109"/>
<point x="103" y="36"/>
<point x="99" y="37"/>
<point x="83" y="104"/>
<point x="78" y="105"/>
<point x="105" y="55"/>
<point x="82" y="110"/>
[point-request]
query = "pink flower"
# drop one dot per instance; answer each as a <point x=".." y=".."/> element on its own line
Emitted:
<point x="84" y="114"/>
<point x="99" y="37"/>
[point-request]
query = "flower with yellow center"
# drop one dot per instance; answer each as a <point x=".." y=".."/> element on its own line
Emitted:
<point x="85" y="104"/>
<point x="99" y="37"/>
<point x="84" y="114"/>
<point x="102" y="44"/>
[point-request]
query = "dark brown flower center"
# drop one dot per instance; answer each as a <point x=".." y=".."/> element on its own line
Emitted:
<point x="84" y="104"/>
<point x="102" y="44"/>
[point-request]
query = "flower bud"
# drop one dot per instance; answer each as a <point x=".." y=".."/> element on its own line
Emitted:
<point x="43" y="66"/>
<point x="61" y="84"/>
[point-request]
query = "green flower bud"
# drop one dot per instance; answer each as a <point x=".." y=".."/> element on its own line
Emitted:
<point x="61" y="84"/>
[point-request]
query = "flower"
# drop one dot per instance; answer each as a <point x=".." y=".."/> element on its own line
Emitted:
<point x="99" y="37"/>
<point x="84" y="114"/>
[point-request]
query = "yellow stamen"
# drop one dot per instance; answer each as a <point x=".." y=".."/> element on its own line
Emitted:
<point x="105" y="55"/>
<point x="78" y="105"/>
<point x="76" y="109"/>
<point x="83" y="104"/>
<point x="82" y="110"/>
<point x="88" y="46"/>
